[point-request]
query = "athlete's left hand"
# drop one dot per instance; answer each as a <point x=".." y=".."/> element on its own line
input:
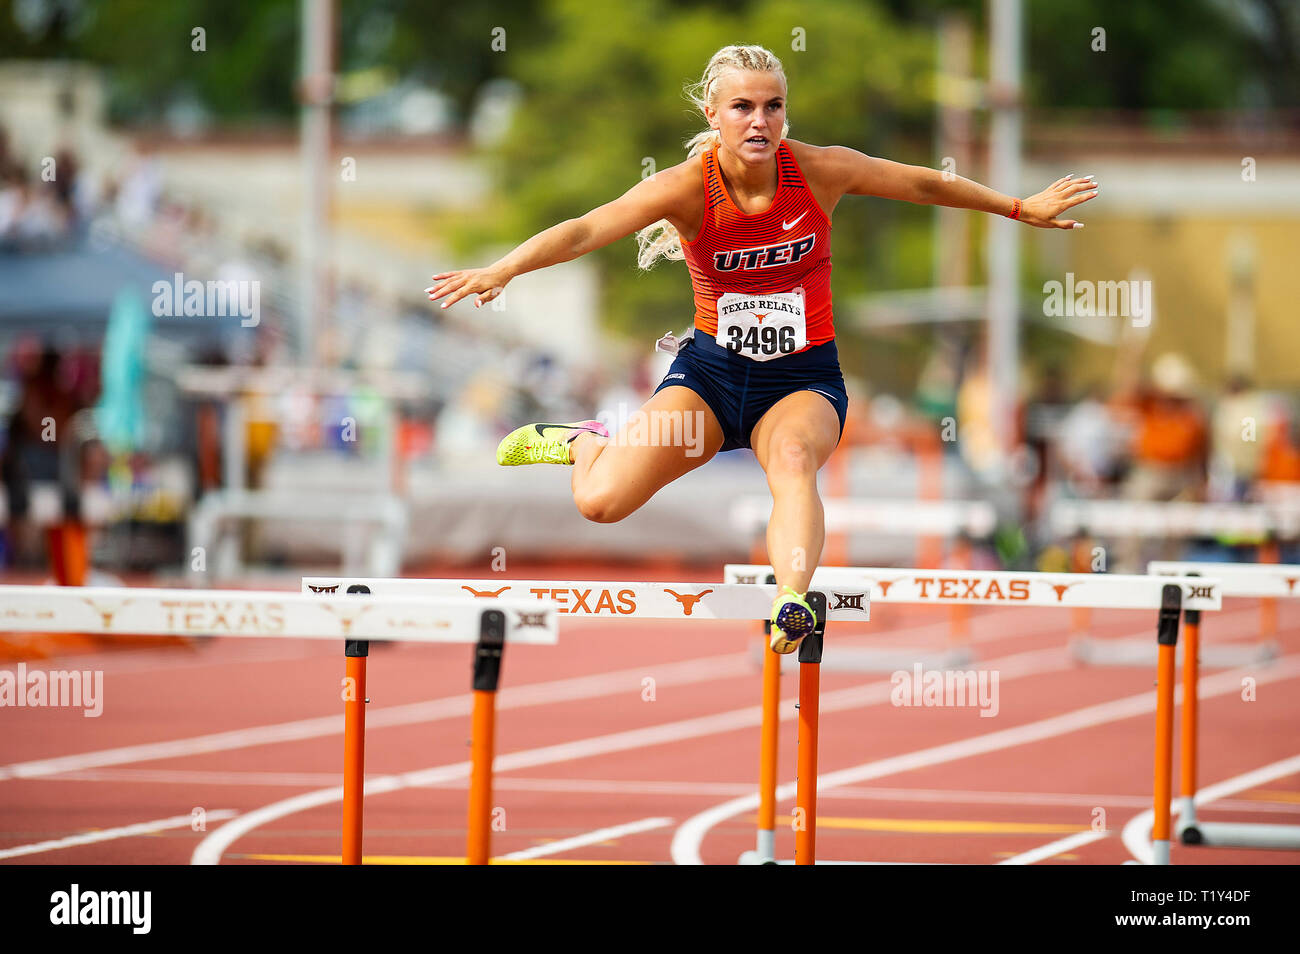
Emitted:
<point x="1042" y="210"/>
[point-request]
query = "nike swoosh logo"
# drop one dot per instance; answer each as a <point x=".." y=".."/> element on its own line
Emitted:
<point x="790" y="225"/>
<point x="541" y="433"/>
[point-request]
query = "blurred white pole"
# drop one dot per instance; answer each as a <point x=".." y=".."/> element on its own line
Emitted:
<point x="313" y="241"/>
<point x="1003" y="343"/>
<point x="953" y="142"/>
<point x="1240" y="344"/>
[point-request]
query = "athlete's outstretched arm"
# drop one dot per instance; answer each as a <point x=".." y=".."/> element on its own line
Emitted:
<point x="648" y="201"/>
<point x="859" y="174"/>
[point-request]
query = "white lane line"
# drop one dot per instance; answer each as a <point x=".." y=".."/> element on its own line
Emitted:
<point x="1137" y="833"/>
<point x="109" y="834"/>
<point x="1056" y="847"/>
<point x="133" y="662"/>
<point x="542" y="693"/>
<point x="210" y="850"/>
<point x="590" y="838"/>
<point x="603" y="786"/>
<point x="690" y="835"/>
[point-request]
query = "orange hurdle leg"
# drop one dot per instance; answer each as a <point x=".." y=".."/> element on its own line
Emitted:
<point x="1167" y="638"/>
<point x="69" y="553"/>
<point x="1269" y="552"/>
<point x="769" y="745"/>
<point x="354" y="748"/>
<point x="805" y="812"/>
<point x="483" y="735"/>
<point x="487" y="674"/>
<point x="1191" y="671"/>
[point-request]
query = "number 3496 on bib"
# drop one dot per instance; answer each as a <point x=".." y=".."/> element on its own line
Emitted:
<point x="761" y="327"/>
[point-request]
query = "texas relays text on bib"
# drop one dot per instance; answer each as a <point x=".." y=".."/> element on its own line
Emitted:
<point x="762" y="327"/>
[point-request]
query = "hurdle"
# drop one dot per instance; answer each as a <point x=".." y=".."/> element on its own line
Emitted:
<point x="959" y="520"/>
<point x="607" y="599"/>
<point x="1001" y="588"/>
<point x="1236" y="579"/>
<point x="1264" y="523"/>
<point x="355" y="618"/>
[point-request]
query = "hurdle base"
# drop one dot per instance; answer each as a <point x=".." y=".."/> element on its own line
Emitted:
<point x="841" y="659"/>
<point x="751" y="858"/>
<point x="1141" y="652"/>
<point x="1242" y="835"/>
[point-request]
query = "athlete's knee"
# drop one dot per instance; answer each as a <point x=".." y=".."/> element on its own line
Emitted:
<point x="600" y="504"/>
<point x="791" y="456"/>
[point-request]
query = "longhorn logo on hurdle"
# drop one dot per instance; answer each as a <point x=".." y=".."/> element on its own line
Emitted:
<point x="346" y="618"/>
<point x="484" y="594"/>
<point x="105" y="614"/>
<point x="1060" y="589"/>
<point x="687" y="600"/>
<point x="886" y="584"/>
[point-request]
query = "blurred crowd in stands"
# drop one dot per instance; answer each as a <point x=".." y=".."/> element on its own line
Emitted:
<point x="1163" y="435"/>
<point x="1167" y="437"/>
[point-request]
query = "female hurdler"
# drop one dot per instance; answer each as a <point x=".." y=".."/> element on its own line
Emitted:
<point x="749" y="211"/>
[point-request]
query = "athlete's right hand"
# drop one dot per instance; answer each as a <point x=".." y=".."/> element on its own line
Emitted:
<point x="487" y="283"/>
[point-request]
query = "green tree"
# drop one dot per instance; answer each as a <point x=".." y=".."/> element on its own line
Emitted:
<point x="604" y="94"/>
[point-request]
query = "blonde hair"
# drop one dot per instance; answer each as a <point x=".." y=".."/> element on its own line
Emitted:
<point x="660" y="240"/>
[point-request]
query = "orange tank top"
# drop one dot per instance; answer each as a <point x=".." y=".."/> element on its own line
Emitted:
<point x="784" y="248"/>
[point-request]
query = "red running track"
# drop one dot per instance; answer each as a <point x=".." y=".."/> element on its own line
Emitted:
<point x="617" y="745"/>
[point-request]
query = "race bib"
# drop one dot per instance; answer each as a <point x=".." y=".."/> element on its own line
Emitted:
<point x="762" y="327"/>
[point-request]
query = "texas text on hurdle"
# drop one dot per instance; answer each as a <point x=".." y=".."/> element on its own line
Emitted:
<point x="697" y="601"/>
<point x="183" y="612"/>
<point x="354" y="617"/>
<point x="1168" y="596"/>
<point x="998" y="587"/>
<point x="609" y="599"/>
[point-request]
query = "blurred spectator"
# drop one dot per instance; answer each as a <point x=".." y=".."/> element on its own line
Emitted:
<point x="140" y="191"/>
<point x="1281" y="458"/>
<point x="1239" y="425"/>
<point x="36" y="214"/>
<point x="47" y="399"/>
<point x="1169" y="450"/>
<point x="1091" y="446"/>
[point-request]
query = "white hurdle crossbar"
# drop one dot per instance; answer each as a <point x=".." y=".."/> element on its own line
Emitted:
<point x="119" y="611"/>
<point x="609" y="600"/>
<point x="355" y="617"/>
<point x="1168" y="596"/>
<point x="1266" y="581"/>
<point x="973" y="588"/>
<point x="1142" y="518"/>
<point x="923" y="519"/>
<point x="601" y="599"/>
<point x="1263" y="522"/>
<point x="907" y="518"/>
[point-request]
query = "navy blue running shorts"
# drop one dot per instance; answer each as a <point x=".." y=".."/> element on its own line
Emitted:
<point x="740" y="390"/>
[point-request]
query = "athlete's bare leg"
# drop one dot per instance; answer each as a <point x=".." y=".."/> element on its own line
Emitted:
<point x="792" y="441"/>
<point x="613" y="477"/>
